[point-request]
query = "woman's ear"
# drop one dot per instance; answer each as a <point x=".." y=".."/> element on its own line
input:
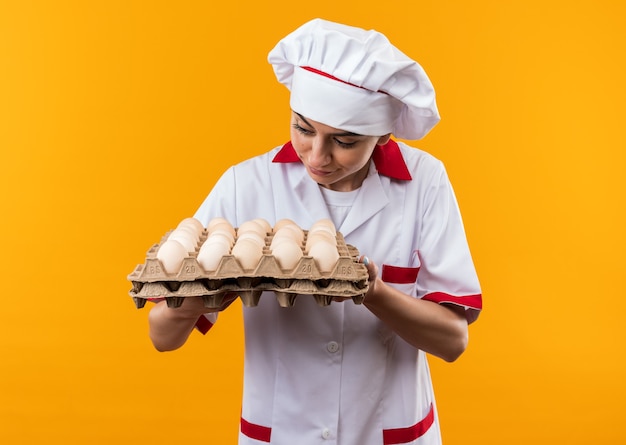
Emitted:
<point x="383" y="139"/>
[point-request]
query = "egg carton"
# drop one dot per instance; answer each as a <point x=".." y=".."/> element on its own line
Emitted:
<point x="347" y="280"/>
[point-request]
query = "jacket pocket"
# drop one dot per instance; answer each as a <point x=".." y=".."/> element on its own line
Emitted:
<point x="401" y="278"/>
<point x="409" y="434"/>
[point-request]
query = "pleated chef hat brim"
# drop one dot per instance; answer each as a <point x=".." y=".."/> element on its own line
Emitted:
<point x="354" y="80"/>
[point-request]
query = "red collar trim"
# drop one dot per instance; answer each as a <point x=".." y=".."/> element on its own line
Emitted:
<point x="387" y="158"/>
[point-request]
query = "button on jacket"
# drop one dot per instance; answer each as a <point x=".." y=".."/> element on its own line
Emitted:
<point x="337" y="374"/>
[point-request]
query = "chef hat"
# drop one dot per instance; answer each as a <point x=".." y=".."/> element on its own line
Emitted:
<point x="354" y="80"/>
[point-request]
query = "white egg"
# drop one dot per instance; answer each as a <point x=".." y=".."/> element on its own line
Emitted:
<point x="190" y="231"/>
<point x="218" y="220"/>
<point x="251" y="226"/>
<point x="223" y="226"/>
<point x="327" y="223"/>
<point x="287" y="254"/>
<point x="260" y="240"/>
<point x="319" y="236"/>
<point x="217" y="238"/>
<point x="282" y="223"/>
<point x="263" y="223"/>
<point x="248" y="253"/>
<point x="194" y="223"/>
<point x="323" y="229"/>
<point x="325" y="255"/>
<point x="224" y="233"/>
<point x="171" y="254"/>
<point x="185" y="238"/>
<point x="282" y="237"/>
<point x="210" y="254"/>
<point x="295" y="232"/>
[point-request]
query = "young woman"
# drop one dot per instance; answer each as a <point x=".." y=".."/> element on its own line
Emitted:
<point x="346" y="373"/>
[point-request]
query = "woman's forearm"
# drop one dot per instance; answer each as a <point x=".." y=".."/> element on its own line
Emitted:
<point x="170" y="328"/>
<point x="440" y="330"/>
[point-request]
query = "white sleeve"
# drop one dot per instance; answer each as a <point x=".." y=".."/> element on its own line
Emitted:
<point x="447" y="273"/>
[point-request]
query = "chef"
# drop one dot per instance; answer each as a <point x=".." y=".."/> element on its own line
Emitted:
<point x="348" y="374"/>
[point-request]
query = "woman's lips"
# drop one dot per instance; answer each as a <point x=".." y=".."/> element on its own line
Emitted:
<point x="318" y="172"/>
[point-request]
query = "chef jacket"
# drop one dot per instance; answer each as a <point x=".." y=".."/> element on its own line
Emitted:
<point x="336" y="374"/>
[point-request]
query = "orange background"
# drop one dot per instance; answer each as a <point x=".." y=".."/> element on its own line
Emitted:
<point x="117" y="117"/>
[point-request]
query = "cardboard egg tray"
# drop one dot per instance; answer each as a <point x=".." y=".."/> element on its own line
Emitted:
<point x="349" y="279"/>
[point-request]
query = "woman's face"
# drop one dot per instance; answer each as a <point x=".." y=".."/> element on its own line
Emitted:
<point x="335" y="159"/>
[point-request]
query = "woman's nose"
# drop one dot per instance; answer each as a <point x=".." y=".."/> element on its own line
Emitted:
<point x="320" y="153"/>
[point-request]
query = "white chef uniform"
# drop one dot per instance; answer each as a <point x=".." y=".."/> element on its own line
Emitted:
<point x="336" y="374"/>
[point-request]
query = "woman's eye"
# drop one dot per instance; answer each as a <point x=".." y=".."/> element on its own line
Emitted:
<point x="344" y="144"/>
<point x="307" y="132"/>
<point x="301" y="129"/>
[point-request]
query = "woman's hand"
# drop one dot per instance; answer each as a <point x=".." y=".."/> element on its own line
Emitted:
<point x="438" y="329"/>
<point x="372" y="271"/>
<point x="170" y="327"/>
